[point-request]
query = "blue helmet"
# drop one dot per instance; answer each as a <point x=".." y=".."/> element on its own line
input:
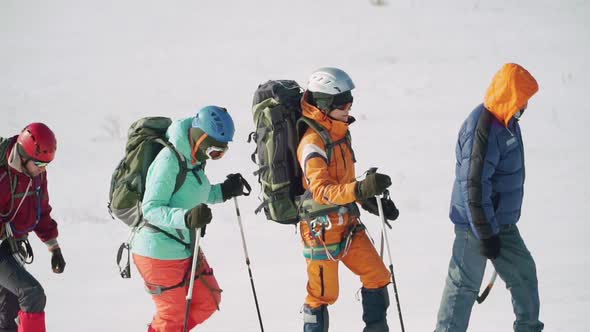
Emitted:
<point x="216" y="122"/>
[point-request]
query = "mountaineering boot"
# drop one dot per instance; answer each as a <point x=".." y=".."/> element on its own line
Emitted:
<point x="315" y="319"/>
<point x="375" y="304"/>
<point x="31" y="321"/>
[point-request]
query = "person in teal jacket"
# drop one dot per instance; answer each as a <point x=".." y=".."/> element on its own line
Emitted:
<point x="163" y="258"/>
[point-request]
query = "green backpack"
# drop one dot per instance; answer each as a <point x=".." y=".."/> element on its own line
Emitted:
<point x="146" y="137"/>
<point x="4" y="143"/>
<point x="279" y="127"/>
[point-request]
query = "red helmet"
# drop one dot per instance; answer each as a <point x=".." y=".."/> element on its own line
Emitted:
<point x="38" y="142"/>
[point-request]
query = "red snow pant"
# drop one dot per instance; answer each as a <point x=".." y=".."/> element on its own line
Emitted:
<point x="31" y="321"/>
<point x="171" y="304"/>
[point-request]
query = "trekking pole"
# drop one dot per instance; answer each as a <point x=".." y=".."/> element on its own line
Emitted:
<point x="381" y="247"/>
<point x="248" y="263"/>
<point x="488" y="288"/>
<point x="384" y="233"/>
<point x="246" y="250"/>
<point x="189" y="294"/>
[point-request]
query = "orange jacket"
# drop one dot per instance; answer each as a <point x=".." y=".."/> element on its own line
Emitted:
<point x="329" y="184"/>
<point x="509" y="92"/>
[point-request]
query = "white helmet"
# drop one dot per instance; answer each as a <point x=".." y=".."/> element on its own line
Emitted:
<point x="331" y="81"/>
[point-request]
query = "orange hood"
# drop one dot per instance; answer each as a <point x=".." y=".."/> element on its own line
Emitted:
<point x="336" y="128"/>
<point x="510" y="91"/>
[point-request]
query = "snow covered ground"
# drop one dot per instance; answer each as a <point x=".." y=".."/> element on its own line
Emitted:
<point x="89" y="68"/>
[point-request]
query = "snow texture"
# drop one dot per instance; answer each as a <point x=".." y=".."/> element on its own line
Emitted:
<point x="89" y="68"/>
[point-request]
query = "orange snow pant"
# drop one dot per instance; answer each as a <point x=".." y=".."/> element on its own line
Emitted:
<point x="362" y="259"/>
<point x="171" y="304"/>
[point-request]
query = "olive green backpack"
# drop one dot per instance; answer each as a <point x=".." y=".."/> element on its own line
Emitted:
<point x="279" y="127"/>
<point x="4" y="143"/>
<point x="146" y="137"/>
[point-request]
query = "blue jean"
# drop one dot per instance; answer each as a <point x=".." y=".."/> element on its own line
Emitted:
<point x="514" y="265"/>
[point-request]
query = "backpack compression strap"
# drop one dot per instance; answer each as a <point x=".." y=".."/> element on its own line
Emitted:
<point x="170" y="236"/>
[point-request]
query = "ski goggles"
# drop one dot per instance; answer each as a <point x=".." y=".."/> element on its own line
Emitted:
<point x="327" y="102"/>
<point x="216" y="152"/>
<point x="342" y="100"/>
<point x="39" y="163"/>
<point x="213" y="152"/>
<point x="25" y="157"/>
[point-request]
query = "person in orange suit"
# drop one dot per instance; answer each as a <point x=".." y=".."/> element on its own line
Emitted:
<point x="330" y="179"/>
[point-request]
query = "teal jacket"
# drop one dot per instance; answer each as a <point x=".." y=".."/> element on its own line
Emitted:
<point x="166" y="210"/>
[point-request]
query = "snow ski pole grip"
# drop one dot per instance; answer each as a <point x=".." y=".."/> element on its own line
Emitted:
<point x="246" y="185"/>
<point x="488" y="289"/>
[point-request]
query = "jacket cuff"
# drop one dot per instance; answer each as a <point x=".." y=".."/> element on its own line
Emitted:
<point x="52" y="244"/>
<point x="358" y="195"/>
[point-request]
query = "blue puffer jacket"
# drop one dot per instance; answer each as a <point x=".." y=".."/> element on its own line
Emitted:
<point x="489" y="174"/>
<point x="166" y="210"/>
<point x="488" y="177"/>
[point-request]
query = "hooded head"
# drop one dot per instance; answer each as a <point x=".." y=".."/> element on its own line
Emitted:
<point x="509" y="92"/>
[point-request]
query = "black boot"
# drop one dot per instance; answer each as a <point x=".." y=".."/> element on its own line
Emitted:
<point x="375" y="304"/>
<point x="316" y="319"/>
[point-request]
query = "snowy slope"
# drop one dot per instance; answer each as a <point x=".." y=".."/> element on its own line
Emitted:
<point x="89" y="69"/>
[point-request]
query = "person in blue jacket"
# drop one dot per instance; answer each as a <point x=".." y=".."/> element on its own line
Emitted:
<point x="164" y="262"/>
<point x="486" y="205"/>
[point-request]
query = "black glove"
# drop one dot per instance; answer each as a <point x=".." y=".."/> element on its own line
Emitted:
<point x="491" y="247"/>
<point x="58" y="264"/>
<point x="373" y="184"/>
<point x="232" y="186"/>
<point x="198" y="217"/>
<point x="389" y="209"/>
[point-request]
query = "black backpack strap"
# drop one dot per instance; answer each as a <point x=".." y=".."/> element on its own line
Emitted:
<point x="181" y="163"/>
<point x="170" y="236"/>
<point x="180" y="178"/>
<point x="346" y="140"/>
<point x="349" y="144"/>
<point x="322" y="131"/>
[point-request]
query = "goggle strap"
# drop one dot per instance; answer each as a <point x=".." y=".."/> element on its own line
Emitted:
<point x="196" y="148"/>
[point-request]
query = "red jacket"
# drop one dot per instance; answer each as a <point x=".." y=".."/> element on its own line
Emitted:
<point x="28" y="213"/>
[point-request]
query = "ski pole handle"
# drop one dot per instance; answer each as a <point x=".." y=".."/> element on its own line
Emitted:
<point x="488" y="289"/>
<point x="244" y="183"/>
<point x="371" y="170"/>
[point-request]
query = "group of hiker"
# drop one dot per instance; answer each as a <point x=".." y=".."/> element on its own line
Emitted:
<point x="169" y="209"/>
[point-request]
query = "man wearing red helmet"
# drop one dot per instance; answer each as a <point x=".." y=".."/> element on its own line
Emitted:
<point x="24" y="207"/>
